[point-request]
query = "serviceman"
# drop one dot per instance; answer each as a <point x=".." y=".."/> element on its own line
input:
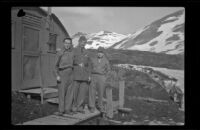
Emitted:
<point x="100" y="68"/>
<point x="64" y="68"/>
<point x="82" y="72"/>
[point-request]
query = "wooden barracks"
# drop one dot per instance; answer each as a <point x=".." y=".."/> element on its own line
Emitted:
<point x="35" y="38"/>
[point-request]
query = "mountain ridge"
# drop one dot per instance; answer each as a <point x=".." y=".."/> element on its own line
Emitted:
<point x="165" y="35"/>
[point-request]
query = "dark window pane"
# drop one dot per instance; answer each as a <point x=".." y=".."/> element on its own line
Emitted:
<point x="52" y="42"/>
<point x="31" y="39"/>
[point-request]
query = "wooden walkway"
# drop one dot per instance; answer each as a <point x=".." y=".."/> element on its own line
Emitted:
<point x="63" y="120"/>
<point x="110" y="107"/>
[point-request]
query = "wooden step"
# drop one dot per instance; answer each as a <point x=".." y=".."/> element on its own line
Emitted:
<point x="47" y="92"/>
<point x="38" y="90"/>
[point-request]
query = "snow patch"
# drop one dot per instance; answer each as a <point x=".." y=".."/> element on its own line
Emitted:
<point x="178" y="74"/>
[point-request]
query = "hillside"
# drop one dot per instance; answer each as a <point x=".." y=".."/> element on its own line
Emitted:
<point x="165" y="35"/>
<point x="143" y="58"/>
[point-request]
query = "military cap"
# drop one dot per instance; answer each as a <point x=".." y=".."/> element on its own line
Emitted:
<point x="82" y="38"/>
<point x="67" y="38"/>
<point x="100" y="49"/>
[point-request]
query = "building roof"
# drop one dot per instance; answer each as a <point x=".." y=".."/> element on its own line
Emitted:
<point x="44" y="13"/>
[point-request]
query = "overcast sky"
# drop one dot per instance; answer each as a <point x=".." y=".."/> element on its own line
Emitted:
<point x="124" y="20"/>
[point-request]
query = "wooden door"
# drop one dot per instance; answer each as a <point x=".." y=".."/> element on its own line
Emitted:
<point x="30" y="56"/>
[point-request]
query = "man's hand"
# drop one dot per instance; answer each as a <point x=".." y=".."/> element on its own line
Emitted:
<point x="81" y="65"/>
<point x="89" y="79"/>
<point x="58" y="78"/>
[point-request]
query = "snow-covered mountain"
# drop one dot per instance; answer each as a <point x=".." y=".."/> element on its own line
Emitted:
<point x="165" y="35"/>
<point x="103" y="38"/>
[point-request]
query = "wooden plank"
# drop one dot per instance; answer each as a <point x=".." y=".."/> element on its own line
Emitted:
<point x="38" y="90"/>
<point x="50" y="90"/>
<point x="35" y="91"/>
<point x="65" y="117"/>
<point x="52" y="100"/>
<point x="63" y="120"/>
<point x="59" y="120"/>
<point x="121" y="93"/>
<point x="51" y="95"/>
<point x="109" y="105"/>
<point x="33" y="123"/>
<point x="82" y="116"/>
<point x="52" y="120"/>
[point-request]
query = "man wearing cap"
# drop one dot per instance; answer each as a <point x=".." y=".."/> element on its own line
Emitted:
<point x="100" y="68"/>
<point x="64" y="67"/>
<point x="82" y="70"/>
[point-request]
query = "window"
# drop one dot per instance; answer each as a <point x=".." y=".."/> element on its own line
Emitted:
<point x="52" y="42"/>
<point x="13" y="35"/>
<point x="31" y="39"/>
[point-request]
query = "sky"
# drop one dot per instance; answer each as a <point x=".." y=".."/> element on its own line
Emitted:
<point x="123" y="20"/>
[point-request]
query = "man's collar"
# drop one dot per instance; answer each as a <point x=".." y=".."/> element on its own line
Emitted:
<point x="100" y="57"/>
<point x="67" y="50"/>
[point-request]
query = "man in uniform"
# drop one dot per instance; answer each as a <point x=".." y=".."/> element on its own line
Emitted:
<point x="82" y="72"/>
<point x="100" y="68"/>
<point x="64" y="67"/>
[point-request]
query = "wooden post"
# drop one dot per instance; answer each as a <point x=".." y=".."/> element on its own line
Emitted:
<point x="109" y="103"/>
<point x="121" y="94"/>
<point x="98" y="121"/>
<point x="183" y="103"/>
<point x="42" y="95"/>
<point x="42" y="84"/>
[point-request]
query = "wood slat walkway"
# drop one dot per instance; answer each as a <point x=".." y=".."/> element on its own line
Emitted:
<point x="63" y="120"/>
<point x="38" y="90"/>
<point x="110" y="107"/>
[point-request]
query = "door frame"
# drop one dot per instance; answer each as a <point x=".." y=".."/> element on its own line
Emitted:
<point x="34" y="82"/>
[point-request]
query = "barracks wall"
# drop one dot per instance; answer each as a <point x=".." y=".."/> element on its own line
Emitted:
<point x="34" y="48"/>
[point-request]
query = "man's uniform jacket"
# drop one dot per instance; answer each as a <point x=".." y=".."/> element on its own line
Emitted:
<point x="82" y="65"/>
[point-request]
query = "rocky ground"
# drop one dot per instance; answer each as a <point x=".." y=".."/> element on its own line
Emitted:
<point x="24" y="109"/>
<point x="143" y="112"/>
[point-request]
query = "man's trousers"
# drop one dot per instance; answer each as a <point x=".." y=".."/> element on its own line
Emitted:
<point x="97" y="84"/>
<point x="80" y="90"/>
<point x="66" y="80"/>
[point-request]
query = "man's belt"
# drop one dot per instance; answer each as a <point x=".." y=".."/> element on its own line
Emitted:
<point x="97" y="73"/>
<point x="81" y="65"/>
<point x="63" y="68"/>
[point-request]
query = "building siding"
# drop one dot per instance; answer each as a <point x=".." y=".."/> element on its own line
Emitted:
<point x="47" y="58"/>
